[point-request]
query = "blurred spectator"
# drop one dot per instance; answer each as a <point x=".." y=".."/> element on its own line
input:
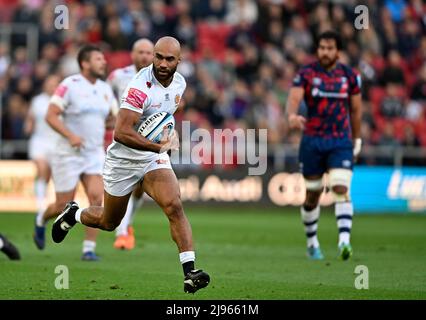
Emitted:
<point x="410" y="37"/>
<point x="185" y="31"/>
<point x="47" y="31"/>
<point x="419" y="88"/>
<point x="370" y="41"/>
<point x="159" y="22"/>
<point x="16" y="112"/>
<point x="409" y="139"/>
<point x="388" y="136"/>
<point x="414" y="111"/>
<point x="392" y="105"/>
<point x="298" y="32"/>
<point x="241" y="10"/>
<point x="68" y="64"/>
<point x="114" y="36"/>
<point x="21" y="65"/>
<point x="211" y="9"/>
<point x="4" y="58"/>
<point x="367" y="116"/>
<point x="393" y="72"/>
<point x="396" y="9"/>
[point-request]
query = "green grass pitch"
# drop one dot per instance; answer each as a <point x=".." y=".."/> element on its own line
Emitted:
<point x="249" y="253"/>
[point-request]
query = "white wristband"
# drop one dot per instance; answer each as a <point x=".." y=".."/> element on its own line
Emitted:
<point x="357" y="146"/>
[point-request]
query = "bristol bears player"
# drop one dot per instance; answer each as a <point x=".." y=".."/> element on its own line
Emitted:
<point x="132" y="159"/>
<point x="78" y="111"/>
<point x="331" y="139"/>
<point x="142" y="55"/>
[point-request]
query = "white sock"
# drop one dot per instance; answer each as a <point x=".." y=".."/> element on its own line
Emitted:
<point x="40" y="187"/>
<point x="137" y="203"/>
<point x="344" y="212"/>
<point x="39" y="219"/>
<point x="78" y="215"/>
<point x="89" y="246"/>
<point x="1" y="243"/>
<point x="310" y="220"/>
<point x="122" y="228"/>
<point x="186" y="256"/>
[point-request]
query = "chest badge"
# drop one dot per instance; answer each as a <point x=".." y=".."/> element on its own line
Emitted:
<point x="148" y="84"/>
<point x="177" y="98"/>
<point x="167" y="97"/>
<point x="316" y="81"/>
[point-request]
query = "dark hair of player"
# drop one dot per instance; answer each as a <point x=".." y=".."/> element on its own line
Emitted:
<point x="330" y="35"/>
<point x="84" y="53"/>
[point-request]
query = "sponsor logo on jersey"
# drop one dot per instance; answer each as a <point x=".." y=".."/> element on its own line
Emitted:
<point x="135" y="98"/>
<point x="161" y="161"/>
<point x="346" y="163"/>
<point x="61" y="90"/>
<point x="324" y="94"/>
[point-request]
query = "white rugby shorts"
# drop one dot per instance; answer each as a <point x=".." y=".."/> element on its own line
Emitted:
<point x="41" y="149"/>
<point x="67" y="169"/>
<point x="121" y="175"/>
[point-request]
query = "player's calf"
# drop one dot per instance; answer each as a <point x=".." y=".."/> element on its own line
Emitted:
<point x="340" y="180"/>
<point x="310" y="213"/>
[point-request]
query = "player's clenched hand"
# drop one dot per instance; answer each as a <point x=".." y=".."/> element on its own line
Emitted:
<point x="357" y="148"/>
<point x="75" y="141"/>
<point x="296" y="121"/>
<point x="169" y="142"/>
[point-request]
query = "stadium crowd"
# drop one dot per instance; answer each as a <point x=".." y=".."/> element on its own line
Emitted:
<point x="239" y="57"/>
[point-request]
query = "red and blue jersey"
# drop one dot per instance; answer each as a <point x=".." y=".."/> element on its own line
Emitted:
<point x="327" y="97"/>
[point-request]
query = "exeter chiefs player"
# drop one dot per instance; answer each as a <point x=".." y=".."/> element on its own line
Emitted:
<point x="132" y="159"/>
<point x="331" y="139"/>
<point x="42" y="145"/>
<point x="142" y="55"/>
<point x="78" y="111"/>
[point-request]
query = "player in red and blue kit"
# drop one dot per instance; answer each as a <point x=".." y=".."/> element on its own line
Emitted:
<point x="331" y="137"/>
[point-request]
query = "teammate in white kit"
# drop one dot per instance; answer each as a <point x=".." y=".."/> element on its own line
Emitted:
<point x="84" y="101"/>
<point x="132" y="159"/>
<point x="42" y="143"/>
<point x="142" y="55"/>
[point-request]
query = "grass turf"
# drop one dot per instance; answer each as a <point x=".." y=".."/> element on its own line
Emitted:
<point x="249" y="253"/>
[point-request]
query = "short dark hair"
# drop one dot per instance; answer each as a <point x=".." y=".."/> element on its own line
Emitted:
<point x="331" y="35"/>
<point x="84" y="53"/>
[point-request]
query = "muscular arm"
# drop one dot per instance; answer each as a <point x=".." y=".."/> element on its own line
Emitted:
<point x="127" y="135"/>
<point x="294" y="99"/>
<point x="29" y="124"/>
<point x="52" y="118"/>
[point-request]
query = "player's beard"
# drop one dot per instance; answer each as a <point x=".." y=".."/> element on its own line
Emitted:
<point x="327" y="62"/>
<point x="100" y="74"/>
<point x="164" y="77"/>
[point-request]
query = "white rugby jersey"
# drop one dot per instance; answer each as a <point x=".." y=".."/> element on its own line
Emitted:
<point x="42" y="130"/>
<point x="120" y="78"/>
<point x="85" y="108"/>
<point x="146" y="95"/>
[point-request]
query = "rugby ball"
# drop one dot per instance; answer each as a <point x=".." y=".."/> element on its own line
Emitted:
<point x="153" y="126"/>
